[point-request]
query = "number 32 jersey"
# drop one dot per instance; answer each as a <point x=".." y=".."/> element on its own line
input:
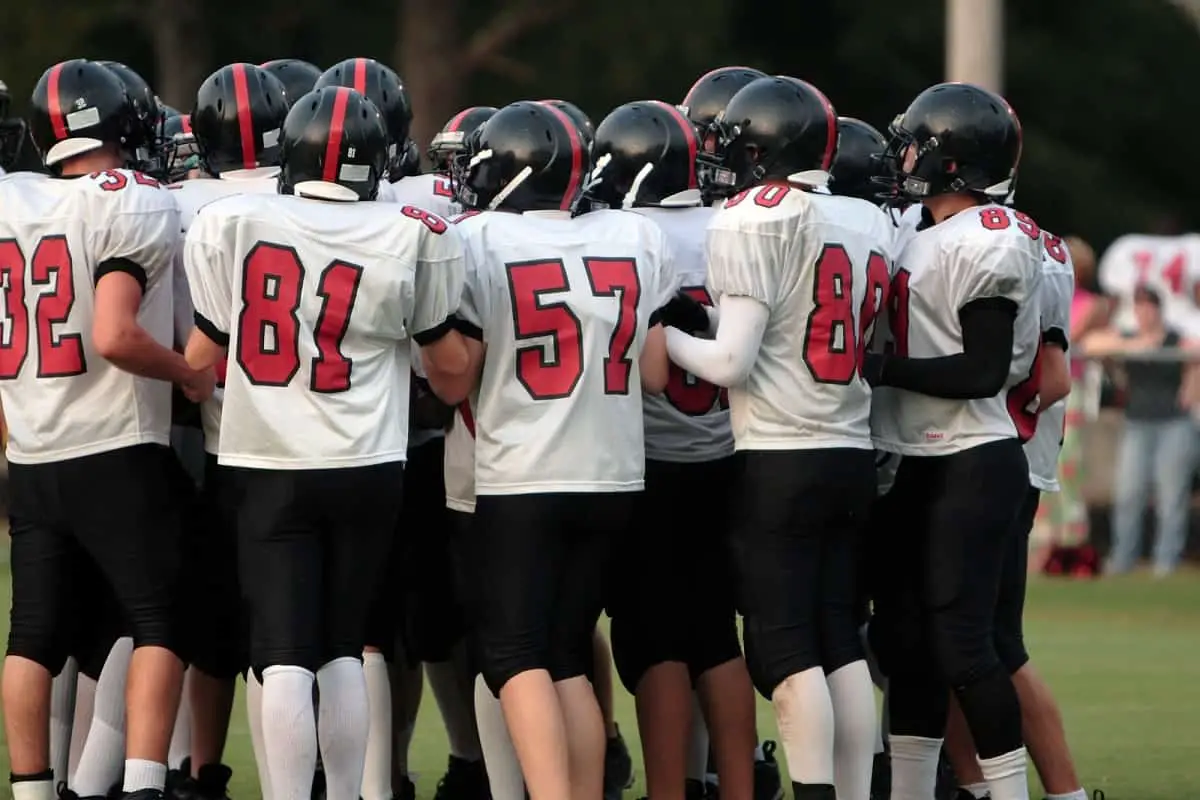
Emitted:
<point x="316" y="301"/>
<point x="982" y="252"/>
<point x="563" y="306"/>
<point x="819" y="263"/>
<point x="58" y="236"/>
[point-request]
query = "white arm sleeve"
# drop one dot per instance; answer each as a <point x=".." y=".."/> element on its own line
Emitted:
<point x="727" y="359"/>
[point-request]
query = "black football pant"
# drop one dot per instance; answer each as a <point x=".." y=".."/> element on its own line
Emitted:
<point x="939" y="543"/>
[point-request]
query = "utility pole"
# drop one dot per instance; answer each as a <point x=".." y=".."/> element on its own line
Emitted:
<point x="975" y="42"/>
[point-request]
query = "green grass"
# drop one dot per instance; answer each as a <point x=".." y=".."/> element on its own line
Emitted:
<point x="1123" y="656"/>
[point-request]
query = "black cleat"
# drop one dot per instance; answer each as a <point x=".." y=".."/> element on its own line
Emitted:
<point x="694" y="790"/>
<point x="211" y="783"/>
<point x="407" y="790"/>
<point x="178" y="781"/>
<point x="464" y="780"/>
<point x="767" y="783"/>
<point x="963" y="794"/>
<point x="143" y="794"/>
<point x="618" y="768"/>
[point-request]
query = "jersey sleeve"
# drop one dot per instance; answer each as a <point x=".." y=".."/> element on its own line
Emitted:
<point x="1058" y="287"/>
<point x="437" y="283"/>
<point x="742" y="262"/>
<point x="475" y="307"/>
<point x="993" y="267"/>
<point x="209" y="267"/>
<point x="665" y="278"/>
<point x="138" y="231"/>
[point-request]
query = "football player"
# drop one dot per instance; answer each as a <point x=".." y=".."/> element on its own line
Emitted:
<point x="452" y="138"/>
<point x="384" y="88"/>
<point x="856" y="164"/>
<point x="239" y="114"/>
<point x="325" y="295"/>
<point x="799" y="277"/>
<point x="674" y="622"/>
<point x="565" y="305"/>
<point x="965" y="331"/>
<point x="1167" y="261"/>
<point x="12" y="133"/>
<point x="148" y="157"/>
<point x="88" y="301"/>
<point x="297" y="76"/>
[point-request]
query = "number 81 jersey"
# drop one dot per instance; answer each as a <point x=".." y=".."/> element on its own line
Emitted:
<point x="563" y="305"/>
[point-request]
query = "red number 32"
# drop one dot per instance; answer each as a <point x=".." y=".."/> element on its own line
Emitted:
<point x="59" y="355"/>
<point x="553" y="372"/>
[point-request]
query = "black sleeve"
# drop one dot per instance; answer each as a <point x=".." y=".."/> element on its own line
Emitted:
<point x="427" y="337"/>
<point x="120" y="265"/>
<point x="468" y="329"/>
<point x="977" y="372"/>
<point x="1056" y="337"/>
<point x="208" y="329"/>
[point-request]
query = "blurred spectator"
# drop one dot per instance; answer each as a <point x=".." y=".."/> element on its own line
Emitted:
<point x="1060" y="534"/>
<point x="1158" y="441"/>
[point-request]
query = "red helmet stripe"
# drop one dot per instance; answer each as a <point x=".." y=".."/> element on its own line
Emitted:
<point x="687" y="97"/>
<point x="576" y="157"/>
<point x="689" y="136"/>
<point x="458" y="119"/>
<point x="360" y="75"/>
<point x="185" y="120"/>
<point x="337" y="126"/>
<point x="57" y="121"/>
<point x="831" y="135"/>
<point x="241" y="96"/>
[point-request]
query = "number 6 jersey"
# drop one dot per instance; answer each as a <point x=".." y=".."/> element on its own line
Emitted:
<point x="316" y="302"/>
<point x="563" y="305"/>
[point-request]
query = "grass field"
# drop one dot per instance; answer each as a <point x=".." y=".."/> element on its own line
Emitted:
<point x="1123" y="656"/>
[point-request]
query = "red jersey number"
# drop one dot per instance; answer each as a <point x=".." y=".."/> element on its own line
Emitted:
<point x="687" y="393"/>
<point x="553" y="371"/>
<point x="268" y="348"/>
<point x="1172" y="271"/>
<point x="58" y="354"/>
<point x="1022" y="400"/>
<point x="833" y="346"/>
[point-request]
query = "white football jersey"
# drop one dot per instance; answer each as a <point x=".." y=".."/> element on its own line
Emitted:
<point x="61" y="399"/>
<point x="191" y="196"/>
<point x="689" y="421"/>
<point x="1058" y="287"/>
<point x="459" y="462"/>
<point x="1170" y="265"/>
<point x="820" y="264"/>
<point x="982" y="252"/>
<point x="318" y="301"/>
<point x="563" y="306"/>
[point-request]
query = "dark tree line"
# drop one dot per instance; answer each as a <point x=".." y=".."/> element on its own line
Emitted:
<point x="1109" y="119"/>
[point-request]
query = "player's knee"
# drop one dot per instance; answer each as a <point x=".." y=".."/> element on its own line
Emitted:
<point x="1010" y="648"/>
<point x="776" y="652"/>
<point x="38" y="643"/>
<point x="962" y="652"/>
<point x="840" y="642"/>
<point x="715" y="642"/>
<point x="504" y="658"/>
<point x="898" y="644"/>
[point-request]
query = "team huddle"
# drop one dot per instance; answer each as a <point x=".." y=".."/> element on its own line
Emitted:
<point x="280" y="406"/>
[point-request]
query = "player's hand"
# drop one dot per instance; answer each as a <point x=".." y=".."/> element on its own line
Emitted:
<point x="199" y="385"/>
<point x="872" y="368"/>
<point x="685" y="313"/>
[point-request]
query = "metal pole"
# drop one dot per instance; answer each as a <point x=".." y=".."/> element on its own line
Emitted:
<point x="975" y="42"/>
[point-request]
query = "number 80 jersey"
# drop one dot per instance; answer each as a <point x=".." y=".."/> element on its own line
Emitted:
<point x="563" y="305"/>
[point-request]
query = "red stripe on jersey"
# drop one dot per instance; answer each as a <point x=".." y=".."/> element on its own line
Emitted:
<point x="241" y="96"/>
<point x="57" y="121"/>
<point x="689" y="136"/>
<point x="360" y="75"/>
<point x="337" y="125"/>
<point x="576" y="157"/>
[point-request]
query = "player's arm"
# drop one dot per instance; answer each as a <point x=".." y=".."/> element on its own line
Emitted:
<point x="450" y="359"/>
<point x="727" y="359"/>
<point x="654" y="364"/>
<point x="1056" y="370"/>
<point x="1104" y="342"/>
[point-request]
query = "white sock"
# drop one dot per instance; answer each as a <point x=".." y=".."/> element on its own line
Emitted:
<point x="804" y="714"/>
<point x="141" y="774"/>
<point x="104" y="751"/>
<point x="254" y="717"/>
<point x="342" y="721"/>
<point x="33" y="790"/>
<point x="697" y="762"/>
<point x="85" y="705"/>
<point x="62" y="715"/>
<point x="407" y="686"/>
<point x="1078" y="794"/>
<point x="454" y="692"/>
<point x="914" y="767"/>
<point x="499" y="756"/>
<point x="377" y="768"/>
<point x="978" y="790"/>
<point x="181" y="737"/>
<point x="1005" y="775"/>
<point x="854" y="729"/>
<point x="289" y="730"/>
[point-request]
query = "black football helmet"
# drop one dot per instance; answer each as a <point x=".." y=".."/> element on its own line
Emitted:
<point x="451" y="139"/>
<point x="859" y="150"/>
<point x="961" y="138"/>
<point x="583" y="123"/>
<point x="383" y="87"/>
<point x="12" y="131"/>
<point x="529" y="156"/>
<point x="645" y="153"/>
<point x="181" y="145"/>
<point x="79" y="106"/>
<point x="298" y="77"/>
<point x="147" y="149"/>
<point x="325" y="119"/>
<point x="712" y="91"/>
<point x="239" y="111"/>
<point x="773" y="128"/>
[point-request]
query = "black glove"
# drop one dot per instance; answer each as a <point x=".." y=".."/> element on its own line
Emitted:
<point x="428" y="412"/>
<point x="685" y="313"/>
<point x="872" y="368"/>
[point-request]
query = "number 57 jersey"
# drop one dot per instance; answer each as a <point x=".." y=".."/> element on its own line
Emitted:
<point x="563" y="305"/>
<point x="316" y="302"/>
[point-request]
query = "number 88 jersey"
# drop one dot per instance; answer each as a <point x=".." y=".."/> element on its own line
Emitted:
<point x="820" y="265"/>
